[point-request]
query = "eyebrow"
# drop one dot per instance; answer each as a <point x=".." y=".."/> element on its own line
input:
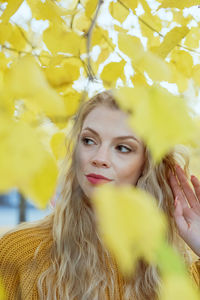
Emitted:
<point x="116" y="138"/>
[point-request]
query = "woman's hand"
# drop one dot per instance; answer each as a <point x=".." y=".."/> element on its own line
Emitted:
<point x="187" y="208"/>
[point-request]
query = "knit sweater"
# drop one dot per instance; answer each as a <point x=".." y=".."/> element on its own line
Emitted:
<point x="20" y="266"/>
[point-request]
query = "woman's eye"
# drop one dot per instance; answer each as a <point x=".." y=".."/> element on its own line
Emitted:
<point x="87" y="141"/>
<point x="123" y="149"/>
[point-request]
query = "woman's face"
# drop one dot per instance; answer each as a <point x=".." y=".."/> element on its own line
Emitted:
<point x="107" y="147"/>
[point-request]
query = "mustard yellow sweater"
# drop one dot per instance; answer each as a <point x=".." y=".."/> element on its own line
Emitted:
<point x="20" y="268"/>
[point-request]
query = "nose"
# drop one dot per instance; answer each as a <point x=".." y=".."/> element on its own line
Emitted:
<point x="101" y="158"/>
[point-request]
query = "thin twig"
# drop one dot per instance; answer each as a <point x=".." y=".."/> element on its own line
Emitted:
<point x="89" y="36"/>
<point x="154" y="30"/>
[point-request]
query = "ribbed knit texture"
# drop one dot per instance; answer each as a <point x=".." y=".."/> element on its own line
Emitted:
<point x="20" y="266"/>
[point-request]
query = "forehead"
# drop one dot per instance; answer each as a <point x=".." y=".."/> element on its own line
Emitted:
<point x="104" y="119"/>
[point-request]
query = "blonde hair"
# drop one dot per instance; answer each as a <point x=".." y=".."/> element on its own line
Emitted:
<point x="79" y="261"/>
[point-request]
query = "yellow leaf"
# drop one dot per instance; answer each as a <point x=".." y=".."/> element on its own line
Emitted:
<point x="172" y="38"/>
<point x="161" y="119"/>
<point x="138" y="79"/>
<point x="176" y="287"/>
<point x="21" y="153"/>
<point x="4" y="61"/>
<point x="42" y="185"/>
<point x="178" y="4"/>
<point x="179" y="18"/>
<point x="81" y="23"/>
<point x="178" y="78"/>
<point x="101" y="37"/>
<point x="131" y="46"/>
<point x="72" y="101"/>
<point x="120" y="29"/>
<point x="59" y="39"/>
<point x="196" y="74"/>
<point x="150" y="21"/>
<point x="132" y="4"/>
<point x="58" y="145"/>
<point x="11" y="9"/>
<point x="25" y="80"/>
<point x="64" y="73"/>
<point x="156" y="67"/>
<point x="193" y="38"/>
<point x="48" y="10"/>
<point x="104" y="54"/>
<point x="5" y="31"/>
<point x="90" y="7"/>
<point x="119" y="210"/>
<point x="183" y="62"/>
<point x="112" y="71"/>
<point x="118" y="11"/>
<point x="153" y="42"/>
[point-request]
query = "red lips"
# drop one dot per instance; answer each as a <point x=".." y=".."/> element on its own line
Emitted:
<point x="95" y="178"/>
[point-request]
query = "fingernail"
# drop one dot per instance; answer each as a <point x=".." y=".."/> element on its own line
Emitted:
<point x="176" y="201"/>
<point x="193" y="177"/>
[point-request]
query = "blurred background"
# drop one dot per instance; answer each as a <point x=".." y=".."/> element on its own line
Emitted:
<point x="14" y="209"/>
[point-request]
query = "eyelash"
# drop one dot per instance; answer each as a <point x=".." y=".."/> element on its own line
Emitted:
<point x="84" y="142"/>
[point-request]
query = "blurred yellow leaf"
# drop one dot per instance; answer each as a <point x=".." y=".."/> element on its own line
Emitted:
<point x="59" y="39"/>
<point x="112" y="71"/>
<point x="81" y="23"/>
<point x="156" y="67"/>
<point x="183" y="62"/>
<point x="13" y="35"/>
<point x="58" y="145"/>
<point x="196" y="74"/>
<point x="193" y="38"/>
<point x="161" y="119"/>
<point x="25" y="80"/>
<point x="142" y="61"/>
<point x="172" y="38"/>
<point x="138" y="79"/>
<point x="21" y="154"/>
<point x="119" y="210"/>
<point x="131" y="46"/>
<point x="43" y="183"/>
<point x="177" y="287"/>
<point x="118" y="11"/>
<point x="180" y="18"/>
<point x="178" y="4"/>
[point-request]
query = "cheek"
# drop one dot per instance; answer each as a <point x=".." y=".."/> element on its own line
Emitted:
<point x="82" y="158"/>
<point x="129" y="171"/>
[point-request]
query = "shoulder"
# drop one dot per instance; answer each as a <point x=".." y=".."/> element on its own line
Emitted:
<point x="18" y="246"/>
<point x="24" y="254"/>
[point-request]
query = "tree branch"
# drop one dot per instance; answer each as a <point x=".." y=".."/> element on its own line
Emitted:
<point x="89" y="37"/>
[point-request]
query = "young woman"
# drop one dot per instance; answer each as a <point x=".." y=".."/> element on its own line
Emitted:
<point x="62" y="256"/>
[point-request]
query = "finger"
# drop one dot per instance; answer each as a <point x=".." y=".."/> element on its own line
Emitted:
<point x="179" y="218"/>
<point x="196" y="184"/>
<point x="189" y="193"/>
<point x="176" y="189"/>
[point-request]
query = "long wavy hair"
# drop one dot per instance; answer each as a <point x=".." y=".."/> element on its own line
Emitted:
<point x="80" y="265"/>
